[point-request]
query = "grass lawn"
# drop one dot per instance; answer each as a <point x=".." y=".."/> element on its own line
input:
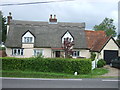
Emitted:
<point x="96" y="73"/>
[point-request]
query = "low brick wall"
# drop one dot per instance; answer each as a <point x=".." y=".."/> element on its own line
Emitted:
<point x="3" y="53"/>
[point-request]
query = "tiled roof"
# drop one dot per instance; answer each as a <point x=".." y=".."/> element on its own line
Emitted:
<point x="96" y="39"/>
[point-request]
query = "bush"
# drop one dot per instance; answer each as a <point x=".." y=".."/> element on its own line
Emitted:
<point x="93" y="55"/>
<point x="82" y="66"/>
<point x="101" y="63"/>
<point x="2" y="48"/>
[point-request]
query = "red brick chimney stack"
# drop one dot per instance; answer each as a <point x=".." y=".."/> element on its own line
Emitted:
<point x="53" y="20"/>
<point x="9" y="18"/>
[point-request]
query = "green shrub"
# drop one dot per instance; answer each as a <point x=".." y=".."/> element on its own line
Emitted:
<point x="82" y="66"/>
<point x="93" y="55"/>
<point x="101" y="63"/>
<point x="2" y="48"/>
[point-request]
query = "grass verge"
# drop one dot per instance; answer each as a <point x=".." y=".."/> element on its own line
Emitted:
<point x="96" y="73"/>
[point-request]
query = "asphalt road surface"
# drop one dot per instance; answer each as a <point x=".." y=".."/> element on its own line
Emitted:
<point x="59" y="83"/>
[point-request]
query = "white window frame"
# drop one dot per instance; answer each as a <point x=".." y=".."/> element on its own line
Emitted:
<point x="28" y="39"/>
<point x="75" y="54"/>
<point x="37" y="52"/>
<point x="18" y="51"/>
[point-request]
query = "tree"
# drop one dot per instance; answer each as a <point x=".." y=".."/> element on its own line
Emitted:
<point x="118" y="39"/>
<point x="3" y="28"/>
<point x="107" y="26"/>
<point x="68" y="46"/>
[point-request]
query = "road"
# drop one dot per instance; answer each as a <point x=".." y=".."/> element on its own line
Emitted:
<point x="59" y="83"/>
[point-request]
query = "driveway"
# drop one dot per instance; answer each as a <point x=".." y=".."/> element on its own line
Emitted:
<point x="112" y="71"/>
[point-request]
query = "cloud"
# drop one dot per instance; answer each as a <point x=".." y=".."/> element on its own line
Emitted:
<point x="91" y="12"/>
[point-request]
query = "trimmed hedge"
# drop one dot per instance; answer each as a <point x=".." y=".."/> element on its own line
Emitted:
<point x="82" y="66"/>
<point x="101" y="63"/>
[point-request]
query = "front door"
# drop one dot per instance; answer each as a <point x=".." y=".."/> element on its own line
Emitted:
<point x="57" y="54"/>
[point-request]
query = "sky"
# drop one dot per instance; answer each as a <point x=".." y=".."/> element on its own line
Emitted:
<point x="92" y="12"/>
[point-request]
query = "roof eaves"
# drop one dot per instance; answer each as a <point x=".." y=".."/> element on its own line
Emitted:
<point x="105" y="43"/>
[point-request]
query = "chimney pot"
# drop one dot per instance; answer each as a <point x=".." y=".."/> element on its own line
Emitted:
<point x="9" y="18"/>
<point x="51" y="16"/>
<point x="10" y="13"/>
<point x="54" y="16"/>
<point x="53" y="20"/>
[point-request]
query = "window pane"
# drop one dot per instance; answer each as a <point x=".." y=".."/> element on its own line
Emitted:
<point x="27" y="39"/>
<point x="15" y="52"/>
<point x="30" y="39"/>
<point x="21" y="51"/>
<point x="75" y="53"/>
<point x="78" y="53"/>
<point x="18" y="51"/>
<point x="37" y="52"/>
<point x="24" y="39"/>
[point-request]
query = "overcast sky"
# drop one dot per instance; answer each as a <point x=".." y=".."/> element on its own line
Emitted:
<point x="91" y="12"/>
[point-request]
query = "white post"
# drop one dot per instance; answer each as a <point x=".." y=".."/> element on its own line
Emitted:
<point x="75" y="73"/>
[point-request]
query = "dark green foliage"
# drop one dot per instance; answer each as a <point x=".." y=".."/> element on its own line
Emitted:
<point x="82" y="66"/>
<point x="2" y="48"/>
<point x="3" y="28"/>
<point x="107" y="26"/>
<point x="93" y="55"/>
<point x="118" y="39"/>
<point x="101" y="63"/>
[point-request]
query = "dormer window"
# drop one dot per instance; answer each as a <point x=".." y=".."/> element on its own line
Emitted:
<point x="67" y="36"/>
<point x="28" y="37"/>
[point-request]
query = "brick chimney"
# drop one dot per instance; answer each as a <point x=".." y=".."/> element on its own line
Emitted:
<point x="9" y="18"/>
<point x="52" y="20"/>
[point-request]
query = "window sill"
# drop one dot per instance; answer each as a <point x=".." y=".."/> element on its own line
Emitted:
<point x="17" y="55"/>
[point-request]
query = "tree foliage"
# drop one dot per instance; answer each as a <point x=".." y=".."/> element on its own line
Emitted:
<point x="118" y="39"/>
<point x="68" y="46"/>
<point x="107" y="26"/>
<point x="3" y="28"/>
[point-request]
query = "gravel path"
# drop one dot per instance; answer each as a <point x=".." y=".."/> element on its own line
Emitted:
<point x="112" y="71"/>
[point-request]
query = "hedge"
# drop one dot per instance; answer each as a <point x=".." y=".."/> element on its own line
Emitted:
<point x="61" y="65"/>
<point x="101" y="63"/>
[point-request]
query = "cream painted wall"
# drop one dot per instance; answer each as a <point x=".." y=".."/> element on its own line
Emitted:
<point x="8" y="52"/>
<point x="85" y="53"/>
<point x="47" y="52"/>
<point x="110" y="46"/>
<point x="27" y="45"/>
<point x="29" y="52"/>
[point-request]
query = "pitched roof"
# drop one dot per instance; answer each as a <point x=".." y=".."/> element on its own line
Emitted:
<point x="46" y="35"/>
<point x="96" y="39"/>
